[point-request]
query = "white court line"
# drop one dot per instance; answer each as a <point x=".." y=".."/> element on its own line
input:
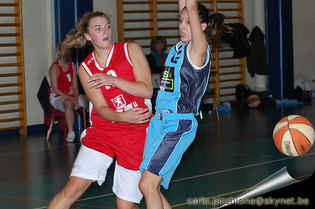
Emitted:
<point x="41" y="207"/>
<point x="202" y="175"/>
<point x="238" y="168"/>
<point x="94" y="197"/>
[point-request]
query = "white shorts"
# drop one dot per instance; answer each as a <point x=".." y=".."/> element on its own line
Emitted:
<point x="93" y="165"/>
<point x="57" y="102"/>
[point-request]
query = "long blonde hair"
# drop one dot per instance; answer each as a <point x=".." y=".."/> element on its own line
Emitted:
<point x="58" y="51"/>
<point x="75" y="37"/>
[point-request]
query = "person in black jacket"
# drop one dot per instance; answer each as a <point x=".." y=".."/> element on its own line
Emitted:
<point x="257" y="60"/>
<point x="238" y="40"/>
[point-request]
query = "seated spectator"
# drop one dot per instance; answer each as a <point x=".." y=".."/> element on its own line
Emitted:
<point x="157" y="56"/>
<point x="64" y="91"/>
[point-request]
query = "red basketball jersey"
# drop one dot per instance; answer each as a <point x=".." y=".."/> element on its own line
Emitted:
<point x="65" y="79"/>
<point x="118" y="63"/>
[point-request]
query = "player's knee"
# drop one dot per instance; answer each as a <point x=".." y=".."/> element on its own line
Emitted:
<point x="71" y="191"/>
<point x="124" y="204"/>
<point x="147" y="186"/>
<point x="128" y="206"/>
<point x="142" y="186"/>
<point x="68" y="104"/>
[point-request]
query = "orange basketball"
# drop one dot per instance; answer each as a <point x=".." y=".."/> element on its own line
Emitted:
<point x="294" y="135"/>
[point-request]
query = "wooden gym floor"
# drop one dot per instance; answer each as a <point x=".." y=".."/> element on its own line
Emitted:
<point x="226" y="159"/>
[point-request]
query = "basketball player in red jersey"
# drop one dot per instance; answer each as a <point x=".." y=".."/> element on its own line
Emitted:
<point x="64" y="91"/>
<point x="116" y="77"/>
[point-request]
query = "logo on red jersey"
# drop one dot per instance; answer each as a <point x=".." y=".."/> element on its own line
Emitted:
<point x="119" y="101"/>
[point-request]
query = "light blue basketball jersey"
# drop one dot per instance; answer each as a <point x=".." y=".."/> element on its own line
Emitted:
<point x="182" y="84"/>
<point x="173" y="128"/>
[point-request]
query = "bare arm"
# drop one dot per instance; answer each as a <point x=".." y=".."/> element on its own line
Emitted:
<point x="135" y="115"/>
<point x="141" y="71"/>
<point x="142" y="87"/>
<point x="198" y="47"/>
<point x="181" y="5"/>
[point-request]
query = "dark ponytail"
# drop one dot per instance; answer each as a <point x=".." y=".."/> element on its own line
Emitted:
<point x="215" y="21"/>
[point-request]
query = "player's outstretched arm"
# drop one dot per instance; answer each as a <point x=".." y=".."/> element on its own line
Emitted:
<point x="198" y="47"/>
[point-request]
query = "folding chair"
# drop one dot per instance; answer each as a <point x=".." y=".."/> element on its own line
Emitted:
<point x="62" y="123"/>
<point x="56" y="115"/>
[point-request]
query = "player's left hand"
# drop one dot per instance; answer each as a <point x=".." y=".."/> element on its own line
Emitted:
<point x="100" y="79"/>
<point x="137" y="115"/>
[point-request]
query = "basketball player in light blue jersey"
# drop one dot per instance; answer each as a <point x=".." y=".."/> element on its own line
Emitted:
<point x="183" y="83"/>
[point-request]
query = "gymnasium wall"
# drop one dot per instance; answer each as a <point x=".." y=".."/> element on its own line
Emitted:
<point x="39" y="41"/>
<point x="38" y="53"/>
<point x="303" y="40"/>
<point x="109" y="8"/>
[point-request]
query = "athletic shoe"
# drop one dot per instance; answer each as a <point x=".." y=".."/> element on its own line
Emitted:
<point x="70" y="136"/>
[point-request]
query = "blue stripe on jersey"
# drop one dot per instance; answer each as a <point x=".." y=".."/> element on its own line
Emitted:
<point x="167" y="146"/>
